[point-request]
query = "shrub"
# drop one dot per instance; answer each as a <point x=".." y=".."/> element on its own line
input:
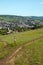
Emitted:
<point x="3" y="31"/>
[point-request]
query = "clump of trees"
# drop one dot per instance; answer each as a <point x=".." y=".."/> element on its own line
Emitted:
<point x="19" y="29"/>
<point x="3" y="31"/>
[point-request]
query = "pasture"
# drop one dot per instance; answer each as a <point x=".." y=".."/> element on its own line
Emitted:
<point x="7" y="44"/>
<point x="30" y="54"/>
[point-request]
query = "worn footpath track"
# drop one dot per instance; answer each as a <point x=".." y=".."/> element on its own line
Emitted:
<point x="3" y="61"/>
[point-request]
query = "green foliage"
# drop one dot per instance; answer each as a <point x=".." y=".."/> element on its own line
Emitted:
<point x="3" y="31"/>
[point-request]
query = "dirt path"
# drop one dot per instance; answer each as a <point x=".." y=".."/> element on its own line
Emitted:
<point x="17" y="50"/>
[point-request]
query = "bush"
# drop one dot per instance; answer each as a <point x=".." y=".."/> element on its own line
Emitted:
<point x="3" y="31"/>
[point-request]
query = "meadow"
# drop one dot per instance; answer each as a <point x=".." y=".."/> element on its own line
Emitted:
<point x="30" y="54"/>
<point x="7" y="41"/>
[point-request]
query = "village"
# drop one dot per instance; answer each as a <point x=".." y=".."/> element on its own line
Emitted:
<point x="13" y="26"/>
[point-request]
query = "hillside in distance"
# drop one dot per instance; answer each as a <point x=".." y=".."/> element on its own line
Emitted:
<point x="13" y="18"/>
<point x="20" y="21"/>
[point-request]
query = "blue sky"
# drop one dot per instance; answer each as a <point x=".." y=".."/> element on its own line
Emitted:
<point x="21" y="7"/>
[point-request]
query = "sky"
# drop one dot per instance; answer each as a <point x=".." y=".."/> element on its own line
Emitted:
<point x="21" y="7"/>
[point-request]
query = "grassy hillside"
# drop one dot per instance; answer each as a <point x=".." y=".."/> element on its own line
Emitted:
<point x="11" y="18"/>
<point x="15" y="18"/>
<point x="8" y="43"/>
<point x="30" y="54"/>
<point x="22" y="37"/>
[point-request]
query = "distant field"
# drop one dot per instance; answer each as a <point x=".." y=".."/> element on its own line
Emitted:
<point x="21" y="38"/>
<point x="30" y="54"/>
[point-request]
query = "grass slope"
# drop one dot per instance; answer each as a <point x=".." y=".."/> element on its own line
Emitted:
<point x="29" y="55"/>
<point x="21" y="38"/>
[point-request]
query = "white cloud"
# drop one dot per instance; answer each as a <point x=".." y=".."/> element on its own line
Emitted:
<point x="41" y="3"/>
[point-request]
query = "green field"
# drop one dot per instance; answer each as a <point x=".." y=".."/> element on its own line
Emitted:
<point x="21" y="38"/>
<point x="30" y="54"/>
